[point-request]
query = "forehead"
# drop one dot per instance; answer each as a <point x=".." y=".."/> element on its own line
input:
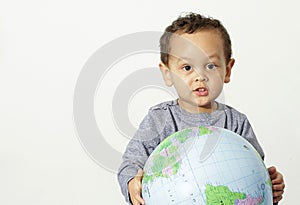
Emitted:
<point x="201" y="44"/>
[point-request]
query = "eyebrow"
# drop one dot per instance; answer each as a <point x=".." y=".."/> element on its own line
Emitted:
<point x="214" y="56"/>
<point x="188" y="59"/>
<point x="183" y="58"/>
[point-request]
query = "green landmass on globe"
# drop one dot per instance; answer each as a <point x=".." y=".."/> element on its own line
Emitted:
<point x="166" y="157"/>
<point x="222" y="195"/>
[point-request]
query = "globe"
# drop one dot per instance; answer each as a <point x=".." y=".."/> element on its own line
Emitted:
<point x="206" y="166"/>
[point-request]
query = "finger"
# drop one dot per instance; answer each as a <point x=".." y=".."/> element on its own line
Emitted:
<point x="137" y="200"/>
<point x="278" y="187"/>
<point x="278" y="180"/>
<point x="138" y="197"/>
<point x="277" y="199"/>
<point x="140" y="200"/>
<point x="277" y="193"/>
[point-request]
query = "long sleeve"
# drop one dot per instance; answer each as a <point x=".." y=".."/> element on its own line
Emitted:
<point x="146" y="138"/>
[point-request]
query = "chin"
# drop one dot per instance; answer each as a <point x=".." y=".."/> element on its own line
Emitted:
<point x="202" y="104"/>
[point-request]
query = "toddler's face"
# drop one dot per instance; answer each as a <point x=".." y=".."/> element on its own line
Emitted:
<point x="197" y="68"/>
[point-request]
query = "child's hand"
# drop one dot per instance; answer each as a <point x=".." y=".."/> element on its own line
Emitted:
<point x="135" y="188"/>
<point x="278" y="184"/>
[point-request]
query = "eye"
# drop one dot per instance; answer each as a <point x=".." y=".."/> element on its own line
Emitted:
<point x="210" y="66"/>
<point x="187" y="68"/>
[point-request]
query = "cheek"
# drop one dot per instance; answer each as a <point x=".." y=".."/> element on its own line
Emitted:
<point x="216" y="78"/>
<point x="181" y="85"/>
<point x="180" y="80"/>
<point x="219" y="75"/>
<point x="216" y="83"/>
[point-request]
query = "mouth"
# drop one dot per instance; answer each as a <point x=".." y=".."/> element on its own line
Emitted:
<point x="201" y="91"/>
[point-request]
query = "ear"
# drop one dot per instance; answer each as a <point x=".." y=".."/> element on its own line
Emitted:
<point x="166" y="73"/>
<point x="228" y="70"/>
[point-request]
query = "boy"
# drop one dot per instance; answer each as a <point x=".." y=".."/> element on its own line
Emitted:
<point x="196" y="60"/>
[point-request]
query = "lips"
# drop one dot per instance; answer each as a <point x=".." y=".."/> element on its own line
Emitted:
<point x="201" y="91"/>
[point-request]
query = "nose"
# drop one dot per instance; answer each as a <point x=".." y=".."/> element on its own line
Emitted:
<point x="200" y="76"/>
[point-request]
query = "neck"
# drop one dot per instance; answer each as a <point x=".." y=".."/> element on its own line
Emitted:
<point x="199" y="109"/>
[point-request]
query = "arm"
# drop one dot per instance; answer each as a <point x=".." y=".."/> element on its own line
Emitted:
<point x="137" y="152"/>
<point x="133" y="160"/>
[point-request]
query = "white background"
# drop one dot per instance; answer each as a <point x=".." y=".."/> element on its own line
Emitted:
<point x="44" y="45"/>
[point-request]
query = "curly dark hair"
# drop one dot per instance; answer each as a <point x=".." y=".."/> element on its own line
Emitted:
<point x="191" y="23"/>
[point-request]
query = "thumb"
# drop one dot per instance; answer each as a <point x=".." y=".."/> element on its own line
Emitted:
<point x="272" y="172"/>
